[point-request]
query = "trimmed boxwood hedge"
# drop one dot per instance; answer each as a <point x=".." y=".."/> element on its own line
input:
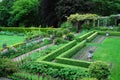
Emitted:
<point x="60" y="65"/>
<point x="22" y="29"/>
<point x="73" y="50"/>
<point x="106" y="29"/>
<point x="73" y="62"/>
<point x="85" y="36"/>
<point x="14" y="45"/>
<point x="90" y="38"/>
<point x="59" y="51"/>
<point x="112" y="33"/>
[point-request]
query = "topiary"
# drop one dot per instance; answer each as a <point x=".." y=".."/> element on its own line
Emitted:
<point x="99" y="70"/>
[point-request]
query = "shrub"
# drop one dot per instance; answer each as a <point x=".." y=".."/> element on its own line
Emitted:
<point x="66" y="31"/>
<point x="70" y="36"/>
<point x="92" y="36"/>
<point x="73" y="50"/>
<point x="59" y="34"/>
<point x="57" y="52"/>
<point x="47" y="41"/>
<point x="87" y="26"/>
<point x="73" y="62"/>
<point x="59" y="41"/>
<point x="99" y="70"/>
<point x="89" y="79"/>
<point x="7" y="67"/>
<point x="85" y="36"/>
<point x="112" y="33"/>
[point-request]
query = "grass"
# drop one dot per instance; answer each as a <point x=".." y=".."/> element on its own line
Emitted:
<point x="109" y="51"/>
<point x="10" y="40"/>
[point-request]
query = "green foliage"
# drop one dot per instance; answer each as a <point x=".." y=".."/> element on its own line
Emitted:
<point x="71" y="74"/>
<point x="73" y="62"/>
<point x="65" y="8"/>
<point x="21" y="13"/>
<point x="106" y="7"/>
<point x="66" y="31"/>
<point x="59" y="34"/>
<point x="87" y="26"/>
<point x="81" y="17"/>
<point x="92" y="36"/>
<point x="69" y="53"/>
<point x="111" y="33"/>
<point x="70" y="36"/>
<point x="23" y="29"/>
<point x="83" y="37"/>
<point x="106" y="28"/>
<point x="47" y="41"/>
<point x="58" y="41"/>
<point x="99" y="70"/>
<point x="68" y="25"/>
<point x="5" y="8"/>
<point x="57" y="52"/>
<point x="89" y="79"/>
<point x="7" y="67"/>
<point x="24" y="75"/>
<point x="56" y="70"/>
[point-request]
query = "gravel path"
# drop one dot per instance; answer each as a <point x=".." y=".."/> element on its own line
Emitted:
<point x="19" y="58"/>
<point x="83" y="53"/>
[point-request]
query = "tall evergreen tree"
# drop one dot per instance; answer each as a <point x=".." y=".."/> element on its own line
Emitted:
<point x="48" y="12"/>
<point x="66" y="7"/>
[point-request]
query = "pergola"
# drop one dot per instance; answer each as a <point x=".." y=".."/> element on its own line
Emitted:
<point x="115" y="19"/>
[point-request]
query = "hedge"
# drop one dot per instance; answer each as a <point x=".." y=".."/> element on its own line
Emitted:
<point x="85" y="36"/>
<point x="73" y="62"/>
<point x="59" y="51"/>
<point x="106" y="28"/>
<point x="14" y="45"/>
<point x="73" y="50"/>
<point x="22" y="29"/>
<point x="112" y="33"/>
<point x="92" y="36"/>
<point x="60" y="65"/>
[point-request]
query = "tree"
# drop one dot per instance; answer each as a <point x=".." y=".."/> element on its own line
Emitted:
<point x="48" y="12"/>
<point x="106" y="7"/>
<point x="5" y="8"/>
<point x="66" y="7"/>
<point x="25" y="13"/>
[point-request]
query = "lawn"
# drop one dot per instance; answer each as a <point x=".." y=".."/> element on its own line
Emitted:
<point x="109" y="51"/>
<point x="10" y="40"/>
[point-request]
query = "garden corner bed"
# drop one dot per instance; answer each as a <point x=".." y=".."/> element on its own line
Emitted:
<point x="74" y="54"/>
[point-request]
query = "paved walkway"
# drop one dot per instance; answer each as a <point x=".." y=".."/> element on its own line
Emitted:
<point x="19" y="58"/>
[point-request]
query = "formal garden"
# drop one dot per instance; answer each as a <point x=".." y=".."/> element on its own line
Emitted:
<point x="59" y="40"/>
